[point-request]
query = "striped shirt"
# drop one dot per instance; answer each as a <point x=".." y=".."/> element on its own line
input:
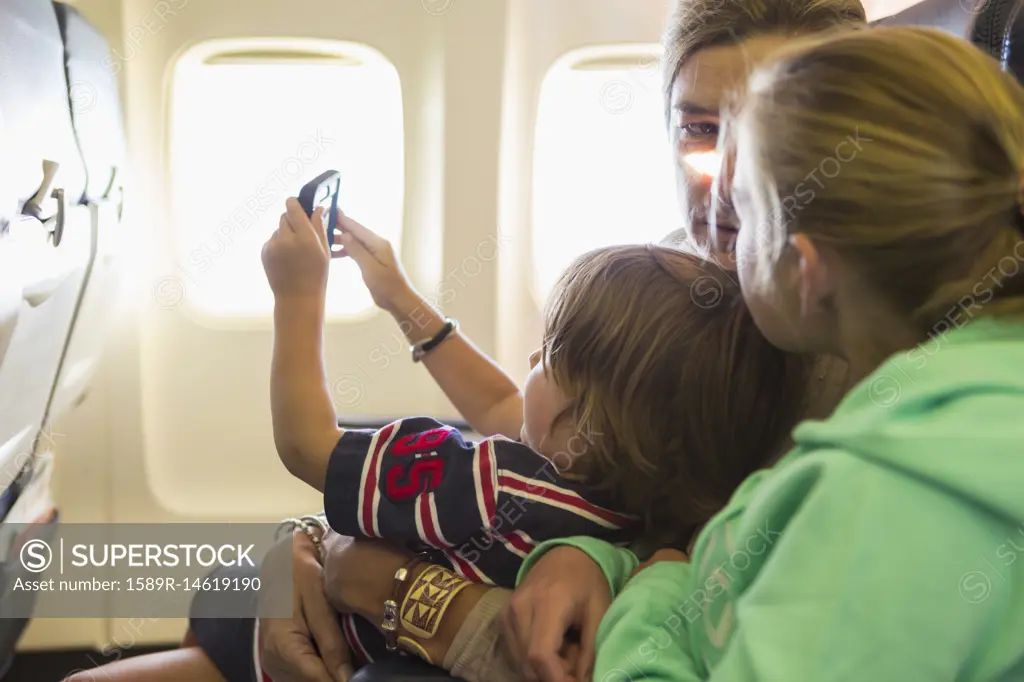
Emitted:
<point x="477" y="507"/>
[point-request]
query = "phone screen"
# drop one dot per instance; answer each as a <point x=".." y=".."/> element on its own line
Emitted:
<point x="323" y="199"/>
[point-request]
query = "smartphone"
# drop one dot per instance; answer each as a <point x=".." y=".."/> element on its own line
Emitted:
<point x="323" y="191"/>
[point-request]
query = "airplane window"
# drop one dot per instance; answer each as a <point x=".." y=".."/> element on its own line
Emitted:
<point x="602" y="168"/>
<point x="251" y="123"/>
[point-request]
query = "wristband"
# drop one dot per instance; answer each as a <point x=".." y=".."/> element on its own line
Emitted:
<point x="421" y="348"/>
<point x="428" y="599"/>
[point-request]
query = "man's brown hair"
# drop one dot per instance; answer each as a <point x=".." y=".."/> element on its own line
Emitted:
<point x="676" y="395"/>
<point x="699" y="24"/>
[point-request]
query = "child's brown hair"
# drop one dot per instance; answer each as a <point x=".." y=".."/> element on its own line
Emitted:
<point x="676" y="394"/>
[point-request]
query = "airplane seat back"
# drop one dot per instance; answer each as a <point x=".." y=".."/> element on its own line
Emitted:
<point x="45" y="252"/>
<point x="95" y="103"/>
<point x="995" y="26"/>
<point x="998" y="29"/>
<point x="98" y="121"/>
<point x="44" y="236"/>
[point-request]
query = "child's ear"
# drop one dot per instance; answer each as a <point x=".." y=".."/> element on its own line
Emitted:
<point x="815" y="285"/>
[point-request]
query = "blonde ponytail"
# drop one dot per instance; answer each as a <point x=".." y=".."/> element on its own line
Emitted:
<point x="926" y="204"/>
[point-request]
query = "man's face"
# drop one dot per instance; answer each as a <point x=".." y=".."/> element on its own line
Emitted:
<point x="698" y="94"/>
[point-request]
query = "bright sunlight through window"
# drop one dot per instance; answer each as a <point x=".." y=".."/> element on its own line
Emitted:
<point x="602" y="168"/>
<point x="252" y="122"/>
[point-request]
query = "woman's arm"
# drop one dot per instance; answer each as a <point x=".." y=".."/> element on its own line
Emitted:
<point x="564" y="586"/>
<point x="644" y="634"/>
<point x="482" y="393"/>
<point x="616" y="563"/>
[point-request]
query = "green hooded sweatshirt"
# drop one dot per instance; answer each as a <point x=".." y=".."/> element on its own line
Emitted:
<point x="888" y="546"/>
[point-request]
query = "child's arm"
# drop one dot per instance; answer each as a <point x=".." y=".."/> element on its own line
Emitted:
<point x="419" y="480"/>
<point x="482" y="393"/>
<point x="296" y="258"/>
<point x="415" y="479"/>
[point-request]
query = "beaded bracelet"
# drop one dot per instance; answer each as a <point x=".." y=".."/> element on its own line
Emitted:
<point x="307" y="524"/>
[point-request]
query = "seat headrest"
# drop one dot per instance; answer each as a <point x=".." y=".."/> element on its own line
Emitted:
<point x="998" y="29"/>
<point x="995" y="26"/>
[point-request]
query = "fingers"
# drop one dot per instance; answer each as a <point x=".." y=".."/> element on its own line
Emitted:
<point x="543" y="659"/>
<point x="312" y="669"/>
<point x="356" y="250"/>
<point x="334" y="241"/>
<point x="289" y="655"/>
<point x="284" y="226"/>
<point x="588" y="636"/>
<point x="372" y="241"/>
<point x="534" y="639"/>
<point x="571" y="658"/>
<point x="515" y="619"/>
<point x="330" y="641"/>
<point x="297" y="219"/>
<point x="319" y="227"/>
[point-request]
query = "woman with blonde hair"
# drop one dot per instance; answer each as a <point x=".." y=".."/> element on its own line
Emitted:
<point x="884" y="545"/>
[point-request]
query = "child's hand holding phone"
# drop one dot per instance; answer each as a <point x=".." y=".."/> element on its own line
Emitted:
<point x="382" y="271"/>
<point x="297" y="256"/>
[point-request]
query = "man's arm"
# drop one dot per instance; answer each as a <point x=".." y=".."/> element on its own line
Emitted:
<point x="359" y="577"/>
<point x="309" y="645"/>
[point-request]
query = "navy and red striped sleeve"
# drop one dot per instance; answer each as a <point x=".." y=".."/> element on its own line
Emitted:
<point x="534" y="503"/>
<point x="415" y="479"/>
<point x="419" y="480"/>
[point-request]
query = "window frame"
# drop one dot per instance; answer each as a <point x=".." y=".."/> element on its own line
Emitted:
<point x="615" y="56"/>
<point x="202" y="53"/>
